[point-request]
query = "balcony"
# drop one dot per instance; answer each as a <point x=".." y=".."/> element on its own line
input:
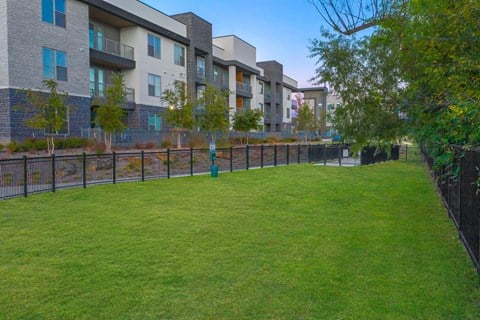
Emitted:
<point x="98" y="90"/>
<point x="244" y="89"/>
<point x="200" y="75"/>
<point x="111" y="53"/>
<point x="276" y="119"/>
<point x="267" y="97"/>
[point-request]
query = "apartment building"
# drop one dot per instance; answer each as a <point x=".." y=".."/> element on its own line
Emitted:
<point x="79" y="44"/>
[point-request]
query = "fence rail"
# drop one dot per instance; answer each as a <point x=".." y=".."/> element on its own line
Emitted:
<point x="30" y="175"/>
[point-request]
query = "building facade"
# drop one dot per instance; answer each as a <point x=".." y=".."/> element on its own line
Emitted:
<point x="81" y="43"/>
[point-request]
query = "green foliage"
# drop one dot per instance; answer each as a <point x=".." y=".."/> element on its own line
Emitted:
<point x="179" y="113"/>
<point x="110" y="112"/>
<point x="247" y="120"/>
<point x="252" y="245"/>
<point x="35" y="144"/>
<point x="213" y="116"/>
<point x="440" y="43"/>
<point x="365" y="75"/>
<point x="50" y="113"/>
<point x="305" y="121"/>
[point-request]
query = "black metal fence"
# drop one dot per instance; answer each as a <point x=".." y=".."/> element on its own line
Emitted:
<point x="29" y="175"/>
<point x="459" y="187"/>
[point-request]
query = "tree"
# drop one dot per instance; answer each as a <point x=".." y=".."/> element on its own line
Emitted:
<point x="366" y="76"/>
<point x="180" y="110"/>
<point x="430" y="49"/>
<point x="110" y="112"/>
<point x="51" y="111"/>
<point x="213" y="117"/>
<point x="351" y="16"/>
<point x="246" y="121"/>
<point x="305" y="121"/>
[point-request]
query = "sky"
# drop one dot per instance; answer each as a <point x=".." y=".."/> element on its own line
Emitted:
<point x="280" y="30"/>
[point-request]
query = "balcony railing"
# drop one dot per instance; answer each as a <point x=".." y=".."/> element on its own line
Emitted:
<point x="267" y="96"/>
<point x="244" y="87"/>
<point x="113" y="47"/>
<point x="99" y="90"/>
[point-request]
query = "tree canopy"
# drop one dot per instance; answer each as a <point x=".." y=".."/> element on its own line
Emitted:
<point x="213" y="115"/>
<point x="247" y="120"/>
<point x="50" y="112"/>
<point x="179" y="113"/>
<point x="110" y="112"/>
<point x="416" y="71"/>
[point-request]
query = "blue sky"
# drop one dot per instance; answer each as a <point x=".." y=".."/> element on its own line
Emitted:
<point x="280" y="30"/>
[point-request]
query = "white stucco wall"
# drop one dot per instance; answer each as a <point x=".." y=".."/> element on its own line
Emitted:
<point x="3" y="45"/>
<point x="150" y="14"/>
<point x="164" y="67"/>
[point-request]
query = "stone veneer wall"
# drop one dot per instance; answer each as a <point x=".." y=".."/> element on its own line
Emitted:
<point x="14" y="114"/>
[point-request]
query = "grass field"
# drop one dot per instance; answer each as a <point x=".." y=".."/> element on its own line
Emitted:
<point x="297" y="242"/>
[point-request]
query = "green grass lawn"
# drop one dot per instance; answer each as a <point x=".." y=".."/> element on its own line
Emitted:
<point x="297" y="242"/>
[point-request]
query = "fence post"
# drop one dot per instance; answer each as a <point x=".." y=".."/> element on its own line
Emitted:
<point x="298" y="153"/>
<point x="324" y="154"/>
<point x="191" y="161"/>
<point x="25" y="177"/>
<point x="340" y="156"/>
<point x="84" y="165"/>
<point x="53" y="173"/>
<point x="231" y="159"/>
<point x="275" y="156"/>
<point x="309" y="149"/>
<point x="114" y="167"/>
<point x="143" y="165"/>
<point x="406" y="153"/>
<point x="261" y="156"/>
<point x="288" y="154"/>
<point x="247" y="155"/>
<point x="168" y="163"/>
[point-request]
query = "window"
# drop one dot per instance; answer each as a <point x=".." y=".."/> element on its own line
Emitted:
<point x="288" y="113"/>
<point x="154" y="85"/>
<point x="53" y="11"/>
<point x="260" y="106"/>
<point x="179" y="55"/>
<point x="330" y="106"/>
<point x="260" y="87"/>
<point x="201" y="67"/>
<point x="154" y="46"/>
<point x="54" y="64"/>
<point x="154" y="122"/>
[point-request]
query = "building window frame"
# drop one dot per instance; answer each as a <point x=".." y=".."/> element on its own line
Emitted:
<point x="55" y="64"/>
<point x="155" y="122"/>
<point x="201" y="67"/>
<point x="154" y="46"/>
<point x="154" y="85"/>
<point x="260" y="87"/>
<point x="179" y="55"/>
<point x="54" y="12"/>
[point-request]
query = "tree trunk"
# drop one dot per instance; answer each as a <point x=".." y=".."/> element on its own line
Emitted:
<point x="179" y="139"/>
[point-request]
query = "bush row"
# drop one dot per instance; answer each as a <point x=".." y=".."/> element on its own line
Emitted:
<point x="35" y="144"/>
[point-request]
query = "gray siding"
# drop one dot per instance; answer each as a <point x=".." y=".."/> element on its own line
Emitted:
<point x="27" y="34"/>
<point x="3" y="46"/>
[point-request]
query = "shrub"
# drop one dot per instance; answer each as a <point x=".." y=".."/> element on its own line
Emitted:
<point x="223" y="143"/>
<point x="271" y="140"/>
<point x="166" y="143"/>
<point x="14" y="147"/>
<point x="197" y="141"/>
<point x="1" y="147"/>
